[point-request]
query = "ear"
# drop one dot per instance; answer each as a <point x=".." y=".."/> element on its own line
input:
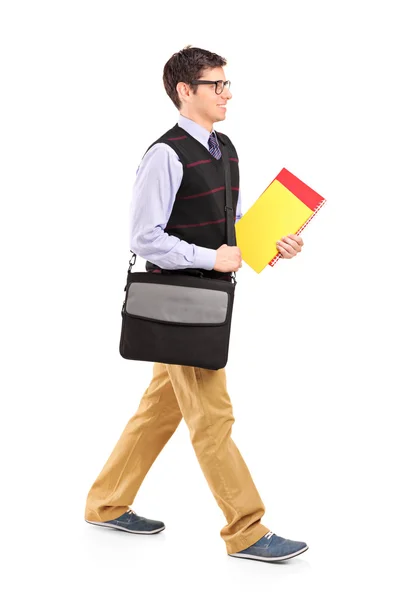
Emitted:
<point x="183" y="90"/>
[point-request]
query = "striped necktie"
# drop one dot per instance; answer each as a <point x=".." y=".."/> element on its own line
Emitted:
<point x="213" y="145"/>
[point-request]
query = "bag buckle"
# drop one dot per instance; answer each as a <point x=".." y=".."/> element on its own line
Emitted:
<point x="131" y="263"/>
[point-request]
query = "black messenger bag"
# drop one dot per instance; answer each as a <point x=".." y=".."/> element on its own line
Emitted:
<point x="179" y="318"/>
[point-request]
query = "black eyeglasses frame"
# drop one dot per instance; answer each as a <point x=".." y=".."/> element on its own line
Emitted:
<point x="205" y="81"/>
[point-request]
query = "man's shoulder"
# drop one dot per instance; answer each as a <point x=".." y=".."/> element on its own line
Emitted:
<point x="160" y="148"/>
<point x="163" y="141"/>
<point x="170" y="135"/>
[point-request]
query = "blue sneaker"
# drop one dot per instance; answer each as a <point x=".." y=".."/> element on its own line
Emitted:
<point x="132" y="523"/>
<point x="272" y="548"/>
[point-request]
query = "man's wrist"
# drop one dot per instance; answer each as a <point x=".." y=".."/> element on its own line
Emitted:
<point x="204" y="258"/>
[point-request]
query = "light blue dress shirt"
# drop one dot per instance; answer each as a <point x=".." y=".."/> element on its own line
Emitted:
<point x="158" y="179"/>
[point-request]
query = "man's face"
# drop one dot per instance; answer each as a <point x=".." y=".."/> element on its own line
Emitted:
<point x="206" y="103"/>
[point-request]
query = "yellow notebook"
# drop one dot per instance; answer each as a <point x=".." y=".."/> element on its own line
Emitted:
<point x="286" y="206"/>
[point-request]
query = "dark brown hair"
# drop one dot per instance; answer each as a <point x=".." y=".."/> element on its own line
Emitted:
<point x="186" y="65"/>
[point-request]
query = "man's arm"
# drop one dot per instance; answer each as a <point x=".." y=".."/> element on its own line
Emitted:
<point x="158" y="179"/>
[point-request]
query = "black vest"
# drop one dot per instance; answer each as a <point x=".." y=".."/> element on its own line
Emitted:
<point x="198" y="215"/>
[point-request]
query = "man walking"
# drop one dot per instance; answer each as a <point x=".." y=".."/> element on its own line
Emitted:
<point x="177" y="221"/>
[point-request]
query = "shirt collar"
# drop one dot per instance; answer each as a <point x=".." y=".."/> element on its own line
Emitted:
<point x="197" y="131"/>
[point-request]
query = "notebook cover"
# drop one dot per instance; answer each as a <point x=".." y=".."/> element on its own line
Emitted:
<point x="286" y="206"/>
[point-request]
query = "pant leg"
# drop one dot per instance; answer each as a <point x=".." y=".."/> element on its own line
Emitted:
<point x="143" y="438"/>
<point x="207" y="410"/>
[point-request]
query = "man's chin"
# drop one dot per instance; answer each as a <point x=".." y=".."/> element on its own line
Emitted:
<point x="220" y="117"/>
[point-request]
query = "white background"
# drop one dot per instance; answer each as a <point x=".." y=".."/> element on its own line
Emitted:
<point x="313" y="363"/>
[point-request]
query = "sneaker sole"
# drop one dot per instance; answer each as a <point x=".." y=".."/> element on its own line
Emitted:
<point x="271" y="558"/>
<point x="100" y="524"/>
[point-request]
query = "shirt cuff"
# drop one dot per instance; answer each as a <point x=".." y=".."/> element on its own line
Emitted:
<point x="204" y="258"/>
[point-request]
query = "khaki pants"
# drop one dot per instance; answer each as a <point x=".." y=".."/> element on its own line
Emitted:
<point x="199" y="396"/>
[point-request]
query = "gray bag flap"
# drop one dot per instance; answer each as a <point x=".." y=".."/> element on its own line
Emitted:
<point x="176" y="303"/>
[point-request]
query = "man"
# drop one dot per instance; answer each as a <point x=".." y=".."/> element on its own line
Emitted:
<point x="177" y="221"/>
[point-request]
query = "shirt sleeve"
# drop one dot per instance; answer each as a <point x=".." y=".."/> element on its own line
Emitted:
<point x="239" y="214"/>
<point x="158" y="179"/>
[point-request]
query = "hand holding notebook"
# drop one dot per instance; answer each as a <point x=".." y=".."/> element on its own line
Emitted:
<point x="286" y="206"/>
<point x="290" y="245"/>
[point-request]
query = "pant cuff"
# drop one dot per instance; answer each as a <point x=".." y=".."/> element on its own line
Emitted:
<point x="246" y="541"/>
<point x="105" y="515"/>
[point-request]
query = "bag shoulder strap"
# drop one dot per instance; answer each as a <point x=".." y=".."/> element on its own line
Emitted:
<point x="230" y="227"/>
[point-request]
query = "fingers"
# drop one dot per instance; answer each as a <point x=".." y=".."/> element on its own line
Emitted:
<point x="287" y="249"/>
<point x="288" y="243"/>
<point x="296" y="238"/>
<point x="285" y="252"/>
<point x="292" y="243"/>
<point x="239" y="267"/>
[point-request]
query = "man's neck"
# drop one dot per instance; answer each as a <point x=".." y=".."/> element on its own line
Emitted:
<point x="200" y="121"/>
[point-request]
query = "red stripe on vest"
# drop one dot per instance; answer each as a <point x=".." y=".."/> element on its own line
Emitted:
<point x="196" y="224"/>
<point x="199" y="162"/>
<point x="205" y="193"/>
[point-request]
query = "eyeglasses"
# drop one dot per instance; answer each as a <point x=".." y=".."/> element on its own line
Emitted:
<point x="219" y="85"/>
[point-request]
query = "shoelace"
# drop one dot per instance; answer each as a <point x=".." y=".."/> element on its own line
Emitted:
<point x="131" y="511"/>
